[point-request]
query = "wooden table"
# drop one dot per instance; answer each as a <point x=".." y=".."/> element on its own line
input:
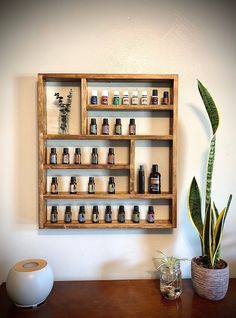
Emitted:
<point x="121" y="299"/>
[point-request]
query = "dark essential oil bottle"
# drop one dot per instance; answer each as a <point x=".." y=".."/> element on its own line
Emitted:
<point x="53" y="156"/>
<point x="111" y="186"/>
<point x="94" y="97"/>
<point x="65" y="156"/>
<point x="105" y="127"/>
<point x="121" y="214"/>
<point x="77" y="156"/>
<point x="155" y="180"/>
<point x="68" y="215"/>
<point x="54" y="186"/>
<point x="108" y="214"/>
<point x="94" y="156"/>
<point x="118" y="127"/>
<point x="73" y="185"/>
<point x="166" y="98"/>
<point x="93" y="127"/>
<point x="111" y="156"/>
<point x="135" y="216"/>
<point x="95" y="214"/>
<point x="151" y="214"/>
<point x="132" y="127"/>
<point x="91" y="185"/>
<point x="81" y="216"/>
<point x="154" y="99"/>
<point x="54" y="215"/>
<point x="141" y="180"/>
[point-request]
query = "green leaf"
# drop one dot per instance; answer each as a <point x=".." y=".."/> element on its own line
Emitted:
<point x="210" y="166"/>
<point x="194" y="207"/>
<point x="207" y="233"/>
<point x="216" y="213"/>
<point x="210" y="107"/>
<point x="218" y="235"/>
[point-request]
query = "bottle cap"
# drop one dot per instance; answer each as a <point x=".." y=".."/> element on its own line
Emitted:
<point x="94" y="92"/>
<point x="121" y="208"/>
<point x="68" y="208"/>
<point x="105" y="92"/>
<point x="91" y="179"/>
<point x="166" y="94"/>
<point x="53" y="150"/>
<point x="108" y="208"/>
<point x="154" y="92"/>
<point x="95" y="208"/>
<point x="155" y="168"/>
<point x="144" y="92"/>
<point x="54" y="179"/>
<point x="65" y="150"/>
<point x="111" y="179"/>
<point x="141" y="167"/>
<point x="150" y="209"/>
<point x="136" y="208"/>
<point x="105" y="121"/>
<point x="94" y="150"/>
<point x="135" y="93"/>
<point x="132" y="121"/>
<point x="111" y="150"/>
<point x="125" y="93"/>
<point x="93" y="121"/>
<point x="82" y="209"/>
<point x="54" y="208"/>
<point x="73" y="179"/>
<point x="118" y="121"/>
<point x="77" y="150"/>
<point x="116" y="93"/>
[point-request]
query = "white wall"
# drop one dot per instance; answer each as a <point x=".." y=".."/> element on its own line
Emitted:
<point x="195" y="39"/>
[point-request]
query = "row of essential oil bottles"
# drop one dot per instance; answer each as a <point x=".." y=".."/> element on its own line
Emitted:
<point x="135" y="99"/>
<point x="107" y="217"/>
<point x="111" y="189"/>
<point x="154" y="181"/>
<point x="77" y="156"/>
<point x="105" y="130"/>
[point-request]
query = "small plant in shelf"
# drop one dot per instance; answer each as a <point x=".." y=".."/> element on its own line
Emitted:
<point x="64" y="110"/>
<point x="170" y="275"/>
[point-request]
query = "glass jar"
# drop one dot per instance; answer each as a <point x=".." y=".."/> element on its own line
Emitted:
<point x="171" y="281"/>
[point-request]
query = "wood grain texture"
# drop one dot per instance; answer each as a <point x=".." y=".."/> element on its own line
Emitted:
<point x="104" y="195"/>
<point x="88" y="166"/>
<point x="109" y="137"/>
<point x="132" y="166"/>
<point x="84" y="106"/>
<point x="130" y="107"/>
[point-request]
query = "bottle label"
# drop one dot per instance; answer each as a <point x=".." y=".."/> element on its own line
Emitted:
<point x="93" y="129"/>
<point x="108" y="217"/>
<point x="111" y="188"/>
<point x="132" y="129"/>
<point x="154" y="100"/>
<point x="53" y="218"/>
<point x="94" y="100"/>
<point x="67" y="218"/>
<point x="121" y="217"/>
<point x="134" y="100"/>
<point x="91" y="188"/>
<point x="104" y="100"/>
<point x="111" y="159"/>
<point x="165" y="100"/>
<point x="116" y="100"/>
<point x="105" y="129"/>
<point x="81" y="218"/>
<point x="150" y="217"/>
<point x="144" y="100"/>
<point x="77" y="159"/>
<point x="73" y="188"/>
<point x="95" y="218"/>
<point x="53" y="159"/>
<point x="65" y="159"/>
<point x="125" y="100"/>
<point x="136" y="217"/>
<point x="154" y="185"/>
<point x="54" y="188"/>
<point x="118" y="129"/>
<point x="94" y="159"/>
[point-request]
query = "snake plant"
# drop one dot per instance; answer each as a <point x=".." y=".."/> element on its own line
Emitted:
<point x="210" y="224"/>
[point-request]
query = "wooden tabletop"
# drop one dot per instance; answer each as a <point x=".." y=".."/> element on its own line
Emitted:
<point x="121" y="299"/>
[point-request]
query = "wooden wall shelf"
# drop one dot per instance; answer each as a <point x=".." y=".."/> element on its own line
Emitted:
<point x="84" y="83"/>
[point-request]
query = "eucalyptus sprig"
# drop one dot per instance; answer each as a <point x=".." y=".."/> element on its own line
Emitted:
<point x="167" y="261"/>
<point x="64" y="107"/>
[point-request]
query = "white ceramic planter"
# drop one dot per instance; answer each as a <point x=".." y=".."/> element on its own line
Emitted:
<point x="29" y="282"/>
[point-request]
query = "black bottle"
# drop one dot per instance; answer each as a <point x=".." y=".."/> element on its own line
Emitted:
<point x="141" y="180"/>
<point x="121" y="214"/>
<point x="111" y="186"/>
<point x="68" y="215"/>
<point x="93" y="127"/>
<point x="65" y="156"/>
<point x="135" y="216"/>
<point x="91" y="185"/>
<point x="53" y="156"/>
<point x="54" y="186"/>
<point x="73" y="185"/>
<point x="111" y="156"/>
<point x="54" y="214"/>
<point x="150" y="216"/>
<point x="132" y="127"/>
<point x="155" y="180"/>
<point x="95" y="214"/>
<point x="105" y="127"/>
<point x="118" y="127"/>
<point x="108" y="214"/>
<point x="94" y="156"/>
<point x="77" y="156"/>
<point x="81" y="216"/>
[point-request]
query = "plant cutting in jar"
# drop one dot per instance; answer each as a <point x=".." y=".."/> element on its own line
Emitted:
<point x="64" y="110"/>
<point x="170" y="275"/>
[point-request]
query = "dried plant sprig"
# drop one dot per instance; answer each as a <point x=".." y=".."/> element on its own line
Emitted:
<point x="64" y="107"/>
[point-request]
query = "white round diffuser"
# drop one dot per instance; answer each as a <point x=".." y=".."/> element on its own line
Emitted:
<point x="29" y="282"/>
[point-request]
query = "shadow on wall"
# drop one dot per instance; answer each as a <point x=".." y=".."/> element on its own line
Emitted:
<point x="25" y="137"/>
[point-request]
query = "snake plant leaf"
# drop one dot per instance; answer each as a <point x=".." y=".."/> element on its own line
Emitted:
<point x="210" y="107"/>
<point x="207" y="243"/>
<point x="218" y="234"/>
<point x="210" y="166"/>
<point x="194" y="207"/>
<point x="216" y="213"/>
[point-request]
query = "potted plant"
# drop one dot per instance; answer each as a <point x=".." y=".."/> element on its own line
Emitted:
<point x="170" y="275"/>
<point x="210" y="274"/>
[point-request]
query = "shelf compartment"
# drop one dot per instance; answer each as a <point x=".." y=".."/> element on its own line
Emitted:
<point x="87" y="166"/>
<point x="104" y="195"/>
<point x="108" y="137"/>
<point x="129" y="107"/>
<point x="101" y="225"/>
